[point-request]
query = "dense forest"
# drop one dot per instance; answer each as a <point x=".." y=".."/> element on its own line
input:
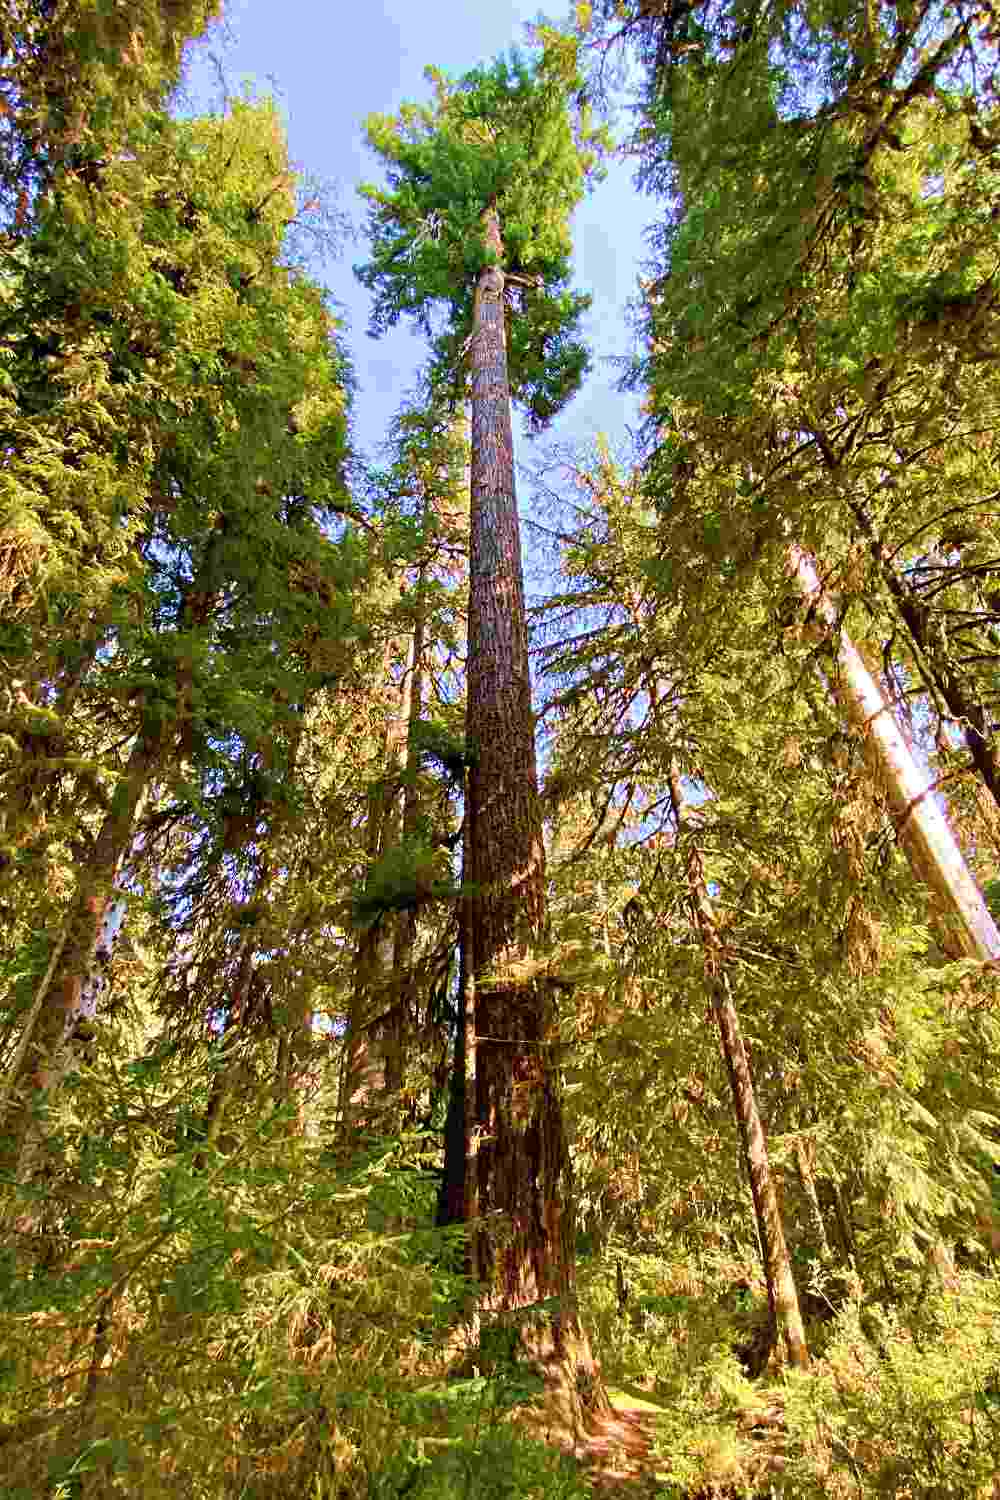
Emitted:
<point x="461" y="1041"/>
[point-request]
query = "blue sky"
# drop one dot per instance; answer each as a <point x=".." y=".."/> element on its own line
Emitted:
<point x="329" y="65"/>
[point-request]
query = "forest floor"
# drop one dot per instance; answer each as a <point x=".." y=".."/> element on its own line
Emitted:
<point x="619" y="1452"/>
<point x="621" y="1456"/>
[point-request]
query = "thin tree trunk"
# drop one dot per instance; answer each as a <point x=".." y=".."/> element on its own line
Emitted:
<point x="405" y="933"/>
<point x="460" y="1188"/>
<point x="523" y="1168"/>
<point x="71" y="990"/>
<point x="74" y="984"/>
<point x="222" y="1082"/>
<point x="807" y="1178"/>
<point x="369" y="1042"/>
<point x="786" y="1317"/>
<point x="923" y="828"/>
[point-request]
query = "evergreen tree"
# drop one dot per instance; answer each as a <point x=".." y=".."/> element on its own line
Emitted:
<point x="194" y="380"/>
<point x="474" y="223"/>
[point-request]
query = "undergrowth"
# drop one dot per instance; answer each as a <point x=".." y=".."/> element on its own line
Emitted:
<point x="279" y="1322"/>
<point x="902" y="1400"/>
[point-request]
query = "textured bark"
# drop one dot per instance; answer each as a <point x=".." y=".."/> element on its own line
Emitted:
<point x="923" y="828"/>
<point x="786" y="1317"/>
<point x="522" y="1162"/>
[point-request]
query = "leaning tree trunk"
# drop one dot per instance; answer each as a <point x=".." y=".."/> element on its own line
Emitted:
<point x="783" y="1300"/>
<point x="931" y="651"/>
<point x="70" y="990"/>
<point x="71" y="987"/>
<point x="935" y="663"/>
<point x="524" y="1185"/>
<point x="923" y="828"/>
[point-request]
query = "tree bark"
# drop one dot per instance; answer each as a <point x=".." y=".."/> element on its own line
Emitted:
<point x="70" y="992"/>
<point x="525" y="1248"/>
<point x="786" y="1317"/>
<point x="923" y="828"/>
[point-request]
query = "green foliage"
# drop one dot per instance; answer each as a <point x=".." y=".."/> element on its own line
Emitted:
<point x="76" y="79"/>
<point x="214" y="1283"/>
<point x="497" y="1464"/>
<point x="497" y="138"/>
<point x="436" y="741"/>
<point x="405" y="878"/>
<point x="907" y="1401"/>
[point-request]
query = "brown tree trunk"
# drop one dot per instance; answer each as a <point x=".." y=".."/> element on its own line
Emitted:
<point x="786" y="1317"/>
<point x="70" y="991"/>
<point x="527" y="1254"/>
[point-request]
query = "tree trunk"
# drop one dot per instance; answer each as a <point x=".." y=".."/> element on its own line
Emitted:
<point x="933" y="660"/>
<point x="70" y="992"/>
<point x="528" y="1252"/>
<point x="786" y="1317"/>
<point x="71" y="988"/>
<point x="459" y="1200"/>
<point x="405" y="934"/>
<point x="369" y="1042"/>
<point x="807" y="1178"/>
<point x="929" y="843"/>
<point x="222" y="1081"/>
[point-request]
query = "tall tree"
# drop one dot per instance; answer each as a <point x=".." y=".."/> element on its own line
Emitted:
<point x="195" y="381"/>
<point x="474" y="223"/>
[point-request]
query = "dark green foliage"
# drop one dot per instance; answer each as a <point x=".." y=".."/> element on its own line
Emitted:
<point x="498" y="138"/>
<point x="433" y="740"/>
<point x="405" y="878"/>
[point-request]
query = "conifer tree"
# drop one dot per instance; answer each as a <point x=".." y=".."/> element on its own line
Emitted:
<point x="195" y="381"/>
<point x="474" y="225"/>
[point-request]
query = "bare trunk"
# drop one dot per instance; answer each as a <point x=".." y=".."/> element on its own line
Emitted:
<point x="371" y="1056"/>
<point x="786" y="1316"/>
<point x="935" y="662"/>
<point x="460" y="1189"/>
<point x="923" y="828"/>
<point x="527" y="1254"/>
<point x="405" y="931"/>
